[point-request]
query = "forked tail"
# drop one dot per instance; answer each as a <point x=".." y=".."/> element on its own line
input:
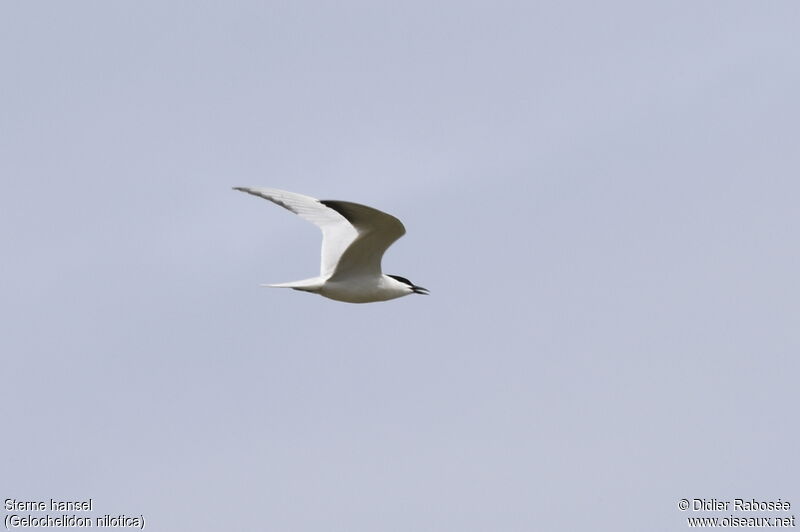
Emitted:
<point x="306" y="285"/>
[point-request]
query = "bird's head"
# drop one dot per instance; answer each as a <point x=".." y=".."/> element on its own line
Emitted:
<point x="411" y="286"/>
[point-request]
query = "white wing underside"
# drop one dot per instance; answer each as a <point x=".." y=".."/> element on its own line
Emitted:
<point x="354" y="237"/>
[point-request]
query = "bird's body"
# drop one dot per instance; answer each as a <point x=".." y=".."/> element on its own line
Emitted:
<point x="365" y="289"/>
<point x="354" y="239"/>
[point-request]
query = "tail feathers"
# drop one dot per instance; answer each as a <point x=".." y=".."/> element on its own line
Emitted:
<point x="307" y="285"/>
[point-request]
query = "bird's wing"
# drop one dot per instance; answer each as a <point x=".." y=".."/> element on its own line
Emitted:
<point x="337" y="231"/>
<point x="376" y="232"/>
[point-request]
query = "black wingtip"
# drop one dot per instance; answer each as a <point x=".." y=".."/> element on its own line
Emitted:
<point x="246" y="190"/>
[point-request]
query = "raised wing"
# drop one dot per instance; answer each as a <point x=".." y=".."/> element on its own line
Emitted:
<point x="376" y="232"/>
<point x="337" y="232"/>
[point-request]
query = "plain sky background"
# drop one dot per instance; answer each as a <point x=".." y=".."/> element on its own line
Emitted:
<point x="602" y="198"/>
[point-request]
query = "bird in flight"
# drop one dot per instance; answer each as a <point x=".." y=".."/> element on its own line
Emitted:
<point x="354" y="239"/>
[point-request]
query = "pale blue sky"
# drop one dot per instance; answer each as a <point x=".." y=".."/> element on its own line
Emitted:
<point x="602" y="199"/>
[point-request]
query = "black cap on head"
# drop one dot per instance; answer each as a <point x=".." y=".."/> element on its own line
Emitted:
<point x="416" y="289"/>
